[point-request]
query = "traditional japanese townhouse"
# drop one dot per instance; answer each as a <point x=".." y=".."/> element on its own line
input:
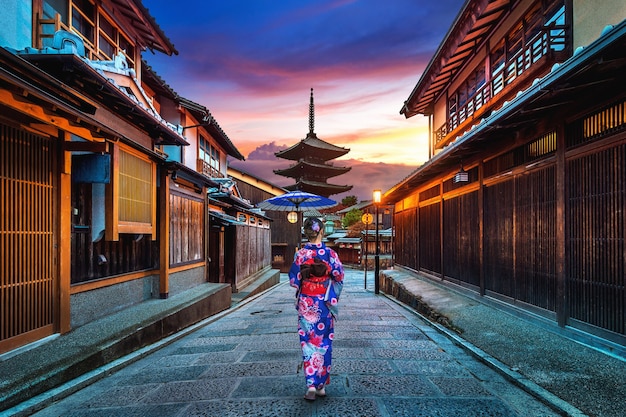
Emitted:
<point x="240" y="236"/>
<point x="523" y="197"/>
<point x="91" y="174"/>
<point x="284" y="234"/>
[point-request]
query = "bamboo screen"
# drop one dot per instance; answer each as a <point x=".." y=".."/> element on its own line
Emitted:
<point x="135" y="191"/>
<point x="27" y="278"/>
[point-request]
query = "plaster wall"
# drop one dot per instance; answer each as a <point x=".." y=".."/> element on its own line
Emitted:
<point x="185" y="280"/>
<point x="16" y="24"/>
<point x="91" y="305"/>
<point x="590" y="18"/>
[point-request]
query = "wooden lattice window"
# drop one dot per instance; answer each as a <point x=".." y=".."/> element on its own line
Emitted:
<point x="102" y="38"/>
<point x="132" y="195"/>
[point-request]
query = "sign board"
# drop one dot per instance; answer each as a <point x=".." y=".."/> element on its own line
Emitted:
<point x="367" y="218"/>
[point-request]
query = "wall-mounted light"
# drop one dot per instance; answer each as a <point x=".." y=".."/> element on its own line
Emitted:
<point x="461" y="176"/>
<point x="174" y="175"/>
<point x="292" y="217"/>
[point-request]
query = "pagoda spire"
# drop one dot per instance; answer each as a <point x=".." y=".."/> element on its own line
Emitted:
<point x="311" y="114"/>
<point x="311" y="168"/>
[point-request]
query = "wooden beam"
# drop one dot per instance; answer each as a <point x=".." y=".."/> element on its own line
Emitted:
<point x="98" y="147"/>
<point x="164" y="232"/>
<point x="65" y="236"/>
<point x="112" y="204"/>
<point x="38" y="112"/>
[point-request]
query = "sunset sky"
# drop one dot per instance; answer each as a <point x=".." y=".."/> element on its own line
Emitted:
<point x="254" y="62"/>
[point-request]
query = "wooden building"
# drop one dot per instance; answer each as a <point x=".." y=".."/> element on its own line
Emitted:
<point x="522" y="199"/>
<point x="285" y="236"/>
<point x="311" y="169"/>
<point x="239" y="237"/>
<point x="104" y="169"/>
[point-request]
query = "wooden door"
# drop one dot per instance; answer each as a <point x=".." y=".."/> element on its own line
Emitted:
<point x="28" y="278"/>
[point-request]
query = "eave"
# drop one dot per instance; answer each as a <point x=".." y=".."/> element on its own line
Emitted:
<point x="42" y="98"/>
<point x="597" y="69"/>
<point x="470" y="29"/>
<point x="311" y="169"/>
<point x="320" y="188"/>
<point x="184" y="172"/>
<point x="70" y="69"/>
<point x="136" y="18"/>
<point x="312" y="145"/>
<point x="208" y="122"/>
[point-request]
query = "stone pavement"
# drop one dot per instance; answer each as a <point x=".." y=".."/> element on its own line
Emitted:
<point x="387" y="362"/>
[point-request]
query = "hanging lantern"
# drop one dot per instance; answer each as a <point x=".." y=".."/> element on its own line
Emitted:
<point x="292" y="217"/>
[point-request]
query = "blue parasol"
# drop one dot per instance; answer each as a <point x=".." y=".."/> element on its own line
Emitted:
<point x="296" y="201"/>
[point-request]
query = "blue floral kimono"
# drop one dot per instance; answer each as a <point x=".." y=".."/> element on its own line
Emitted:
<point x="316" y="303"/>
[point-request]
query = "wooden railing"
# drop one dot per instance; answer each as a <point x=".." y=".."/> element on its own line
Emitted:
<point x="536" y="52"/>
<point x="208" y="170"/>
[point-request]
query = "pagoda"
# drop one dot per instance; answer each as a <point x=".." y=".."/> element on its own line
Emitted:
<point x="312" y="168"/>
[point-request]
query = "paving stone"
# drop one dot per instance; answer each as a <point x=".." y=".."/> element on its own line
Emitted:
<point x="386" y="362"/>
<point x="447" y="407"/>
<point x="460" y="387"/>
<point x="430" y="368"/>
<point x="251" y="408"/>
<point x="385" y="386"/>
<point x="362" y="366"/>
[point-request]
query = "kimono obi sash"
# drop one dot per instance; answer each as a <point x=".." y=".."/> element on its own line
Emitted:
<point x="314" y="286"/>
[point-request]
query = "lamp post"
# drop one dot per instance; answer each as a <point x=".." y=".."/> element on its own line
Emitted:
<point x="377" y="197"/>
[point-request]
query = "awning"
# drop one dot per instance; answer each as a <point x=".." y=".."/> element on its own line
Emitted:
<point x="223" y="219"/>
<point x="79" y="75"/>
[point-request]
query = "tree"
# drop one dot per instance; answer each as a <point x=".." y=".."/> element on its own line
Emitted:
<point x="350" y="200"/>
<point x="351" y="217"/>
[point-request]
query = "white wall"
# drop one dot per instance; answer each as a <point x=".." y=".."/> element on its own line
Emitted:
<point x="16" y="24"/>
<point x="591" y="16"/>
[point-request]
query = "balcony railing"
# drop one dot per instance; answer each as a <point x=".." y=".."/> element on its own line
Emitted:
<point x="537" y="51"/>
<point x="208" y="170"/>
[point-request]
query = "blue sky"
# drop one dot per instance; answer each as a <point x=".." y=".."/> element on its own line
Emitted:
<point x="253" y="63"/>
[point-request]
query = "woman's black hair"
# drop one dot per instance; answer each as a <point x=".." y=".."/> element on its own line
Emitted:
<point x="313" y="227"/>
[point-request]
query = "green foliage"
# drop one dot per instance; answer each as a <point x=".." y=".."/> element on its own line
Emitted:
<point x="349" y="200"/>
<point x="351" y="217"/>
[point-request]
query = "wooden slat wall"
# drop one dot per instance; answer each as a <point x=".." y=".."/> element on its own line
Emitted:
<point x="535" y="240"/>
<point x="251" y="252"/>
<point x="27" y="277"/>
<point x="430" y="237"/>
<point x="521" y="227"/>
<point x="498" y="237"/>
<point x="595" y="244"/>
<point x="461" y="238"/>
<point x="186" y="229"/>
<point x="407" y="241"/>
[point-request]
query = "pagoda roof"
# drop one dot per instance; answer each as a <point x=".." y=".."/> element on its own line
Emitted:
<point x="317" y="187"/>
<point x="312" y="145"/>
<point x="305" y="168"/>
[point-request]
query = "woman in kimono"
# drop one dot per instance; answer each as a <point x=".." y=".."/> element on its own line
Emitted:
<point x="317" y="273"/>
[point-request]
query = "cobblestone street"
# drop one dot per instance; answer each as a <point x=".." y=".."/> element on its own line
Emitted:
<point x="386" y="362"/>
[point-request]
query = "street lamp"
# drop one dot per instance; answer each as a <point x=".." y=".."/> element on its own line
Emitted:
<point x="376" y="198"/>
